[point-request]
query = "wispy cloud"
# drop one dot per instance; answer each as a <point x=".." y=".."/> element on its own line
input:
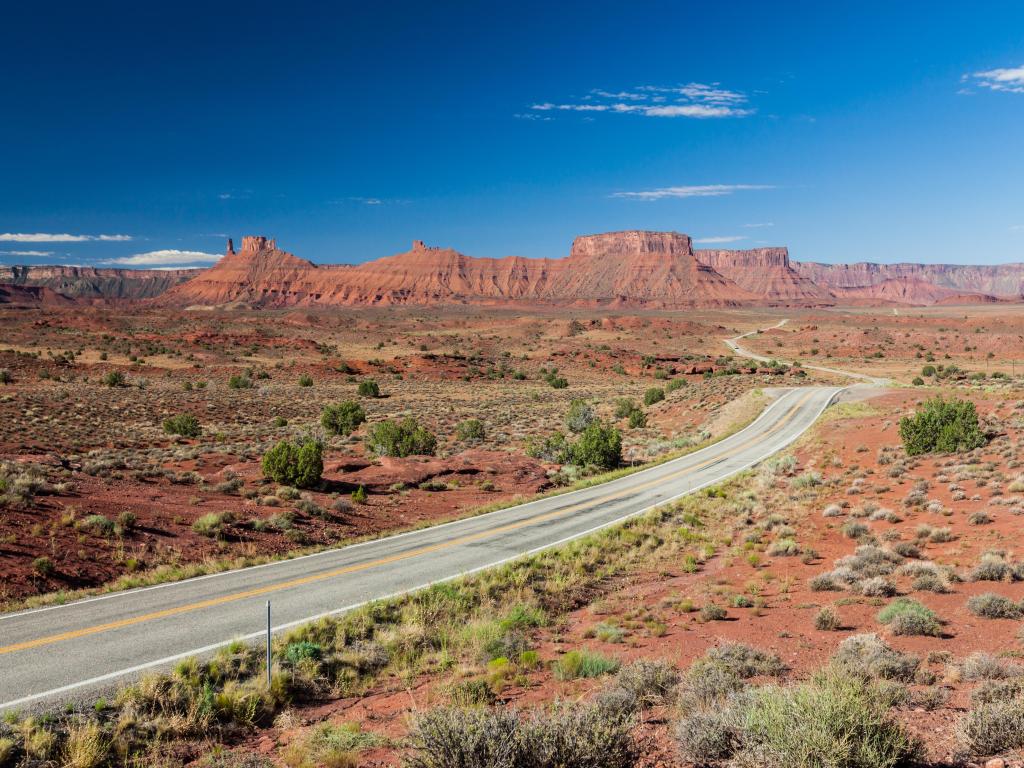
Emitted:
<point x="759" y="225"/>
<point x="705" y="190"/>
<point x="719" y="239"/>
<point x="26" y="253"/>
<point x="164" y="258"/>
<point x="1016" y="227"/>
<point x="46" y="237"/>
<point x="694" y="100"/>
<point x="1008" y="80"/>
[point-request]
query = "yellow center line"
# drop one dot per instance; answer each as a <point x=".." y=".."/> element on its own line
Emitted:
<point x="468" y="538"/>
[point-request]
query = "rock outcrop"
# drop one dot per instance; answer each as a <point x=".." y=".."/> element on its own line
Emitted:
<point x="1001" y="280"/>
<point x="32" y="296"/>
<point x="767" y="273"/>
<point x="91" y="283"/>
<point x="642" y="269"/>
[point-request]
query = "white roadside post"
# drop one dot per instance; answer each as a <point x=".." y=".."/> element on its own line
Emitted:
<point x="268" y="647"/>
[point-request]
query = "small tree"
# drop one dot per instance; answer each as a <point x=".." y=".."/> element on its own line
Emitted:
<point x="369" y="388"/>
<point x="945" y="426"/>
<point x="184" y="424"/>
<point x="579" y="417"/>
<point x="295" y="463"/>
<point x="599" y="445"/>
<point x="401" y="438"/>
<point x="343" y="418"/>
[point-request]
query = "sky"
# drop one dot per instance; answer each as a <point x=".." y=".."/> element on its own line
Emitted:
<point x="144" y="134"/>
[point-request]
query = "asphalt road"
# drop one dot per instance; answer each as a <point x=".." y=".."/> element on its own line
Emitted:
<point x="73" y="651"/>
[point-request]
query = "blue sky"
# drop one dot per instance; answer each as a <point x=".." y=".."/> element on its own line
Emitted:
<point x="347" y="130"/>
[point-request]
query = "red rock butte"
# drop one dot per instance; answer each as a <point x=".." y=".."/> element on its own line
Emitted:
<point x="631" y="269"/>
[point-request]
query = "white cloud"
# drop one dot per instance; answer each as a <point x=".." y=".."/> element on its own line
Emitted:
<point x="759" y="225"/>
<point x="165" y="257"/>
<point x="1009" y="80"/>
<point x="706" y="190"/>
<point x="694" y="100"/>
<point x="26" y="253"/>
<point x="720" y="239"/>
<point x="45" y="237"/>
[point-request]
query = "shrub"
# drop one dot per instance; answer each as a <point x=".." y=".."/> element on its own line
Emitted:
<point x="576" y="664"/>
<point x="868" y="656"/>
<point x="928" y="370"/>
<point x="985" y="666"/>
<point x="6" y="377"/>
<point x="580" y="416"/>
<point x="240" y="381"/>
<point x="305" y="380"/>
<point x="648" y="683"/>
<point x="909" y="617"/>
<point x="624" y="407"/>
<point x="43" y="566"/>
<point x="212" y="524"/>
<point x="654" y="395"/>
<point x="944" y="426"/>
<point x="835" y="720"/>
<point x="368" y="388"/>
<point x="467" y="738"/>
<point x="343" y="418"/>
<point x="599" y="445"/>
<point x="401" y="438"/>
<point x="744" y="660"/>
<point x="470" y="430"/>
<point x="299" y="464"/>
<point x="114" y="379"/>
<point x="993" y="728"/>
<point x="826" y="620"/>
<point x="554" y="447"/>
<point x="993" y="606"/>
<point x="184" y="424"/>
<point x="359" y="495"/>
<point x="637" y="419"/>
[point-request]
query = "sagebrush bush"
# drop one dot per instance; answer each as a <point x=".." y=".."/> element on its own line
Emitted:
<point x="909" y="617"/>
<point x="580" y="416"/>
<point x="992" y="606"/>
<point x="946" y="426"/>
<point x="470" y="430"/>
<point x="869" y="657"/>
<point x="368" y="388"/>
<point x="992" y="728"/>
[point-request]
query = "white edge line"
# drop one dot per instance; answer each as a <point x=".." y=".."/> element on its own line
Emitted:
<point x="336" y="550"/>
<point x="207" y="648"/>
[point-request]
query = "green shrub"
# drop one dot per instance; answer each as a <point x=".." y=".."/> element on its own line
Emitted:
<point x="917" y="381"/>
<point x="637" y="419"/>
<point x="554" y="447"/>
<point x="576" y="664"/>
<point x="212" y="524"/>
<point x="299" y="464"/>
<point x="240" y="381"/>
<point x="368" y="388"/>
<point x="580" y="416"/>
<point x="943" y="426"/>
<point x="674" y="384"/>
<point x="928" y="370"/>
<point x="342" y="418"/>
<point x="305" y="380"/>
<point x="6" y="377"/>
<point x="469" y="430"/>
<point x="359" y="495"/>
<point x="654" y="395"/>
<point x="114" y="379"/>
<point x="599" y="445"/>
<point x="184" y="424"/>
<point x="992" y="728"/>
<point x="401" y="438"/>
<point x="43" y="566"/>
<point x="869" y="657"/>
<point x="624" y="407"/>
<point x="827" y="620"/>
<point x="909" y="617"/>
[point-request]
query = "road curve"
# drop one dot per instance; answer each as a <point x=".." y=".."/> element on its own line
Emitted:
<point x="72" y="651"/>
<point x="734" y="345"/>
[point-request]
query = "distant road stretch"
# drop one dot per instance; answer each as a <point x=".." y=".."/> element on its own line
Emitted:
<point x="74" y="651"/>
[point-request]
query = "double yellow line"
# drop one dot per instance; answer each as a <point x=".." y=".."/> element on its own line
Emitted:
<point x="257" y="592"/>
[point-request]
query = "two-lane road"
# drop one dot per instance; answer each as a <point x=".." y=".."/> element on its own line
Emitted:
<point x="72" y="651"/>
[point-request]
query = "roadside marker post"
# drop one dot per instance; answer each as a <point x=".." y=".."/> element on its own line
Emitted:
<point x="268" y="647"/>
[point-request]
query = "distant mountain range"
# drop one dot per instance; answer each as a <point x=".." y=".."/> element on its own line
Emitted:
<point x="631" y="269"/>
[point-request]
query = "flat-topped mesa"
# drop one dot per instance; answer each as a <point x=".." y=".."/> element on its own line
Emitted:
<point x="633" y="242"/>
<point x="766" y="272"/>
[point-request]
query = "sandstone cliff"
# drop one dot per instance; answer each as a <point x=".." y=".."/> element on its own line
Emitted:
<point x="643" y="269"/>
<point x="767" y="273"/>
<point x="1004" y="280"/>
<point x="91" y="283"/>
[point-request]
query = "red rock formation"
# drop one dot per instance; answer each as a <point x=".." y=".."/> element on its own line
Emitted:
<point x="96" y="284"/>
<point x="1005" y="280"/>
<point x="652" y="269"/>
<point x="32" y="296"/>
<point x="767" y="273"/>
